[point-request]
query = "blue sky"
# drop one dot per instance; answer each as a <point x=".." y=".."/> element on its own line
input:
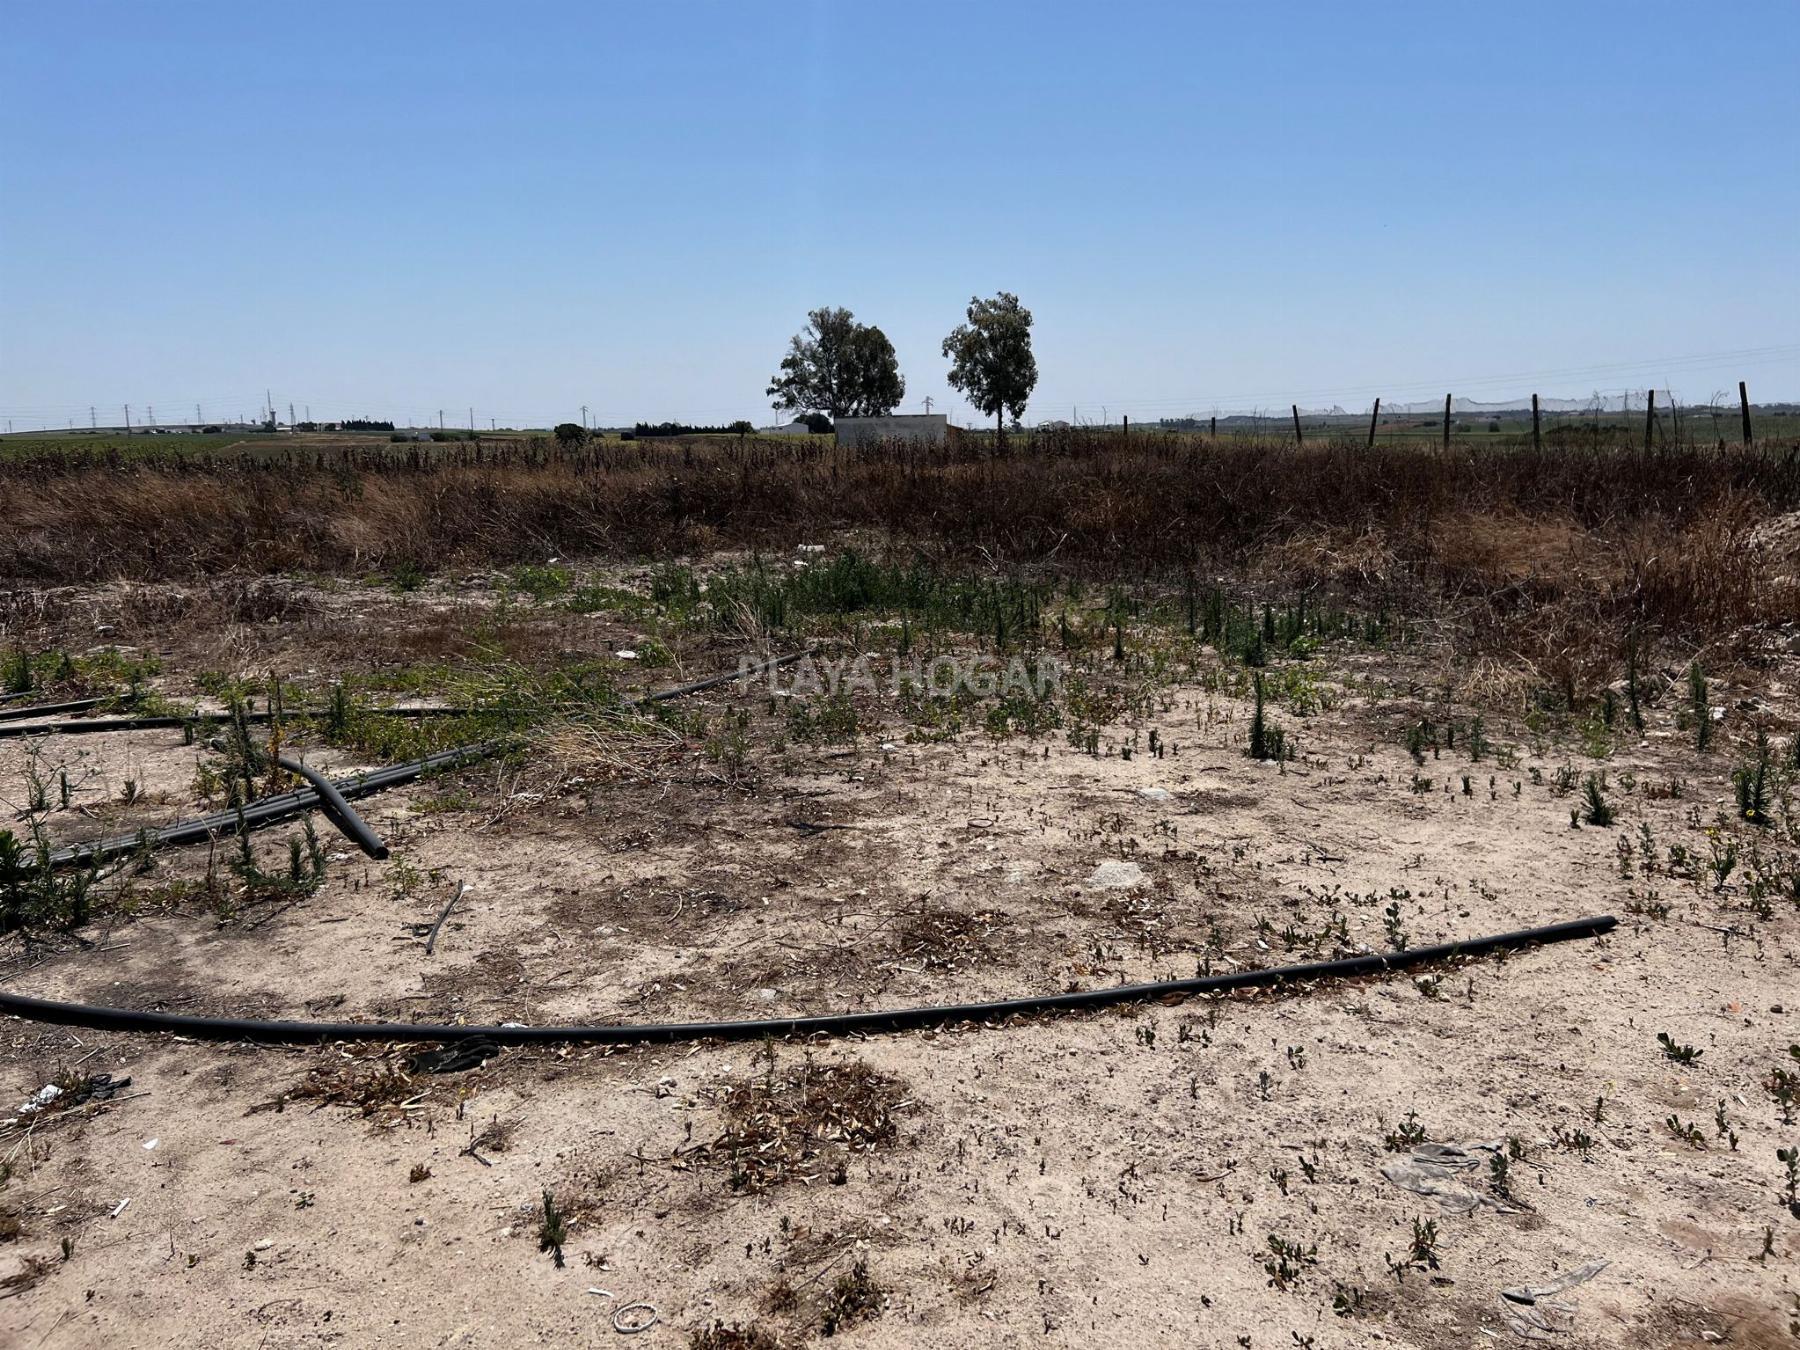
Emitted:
<point x="394" y="207"/>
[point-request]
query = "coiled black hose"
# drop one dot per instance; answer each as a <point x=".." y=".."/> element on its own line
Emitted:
<point x="835" y="1024"/>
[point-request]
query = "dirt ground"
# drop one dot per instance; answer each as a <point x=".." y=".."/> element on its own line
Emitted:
<point x="1200" y="1172"/>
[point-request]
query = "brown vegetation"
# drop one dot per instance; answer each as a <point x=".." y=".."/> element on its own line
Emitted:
<point x="1545" y="559"/>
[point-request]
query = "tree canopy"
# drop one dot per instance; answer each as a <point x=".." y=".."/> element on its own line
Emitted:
<point x="839" y="367"/>
<point x="990" y="356"/>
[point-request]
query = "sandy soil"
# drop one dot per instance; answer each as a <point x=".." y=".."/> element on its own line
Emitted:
<point x="1111" y="1179"/>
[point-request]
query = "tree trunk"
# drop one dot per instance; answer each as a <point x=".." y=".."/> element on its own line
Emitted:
<point x="1000" y="429"/>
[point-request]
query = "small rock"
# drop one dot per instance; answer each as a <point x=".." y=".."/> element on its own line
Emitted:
<point x="1115" y="875"/>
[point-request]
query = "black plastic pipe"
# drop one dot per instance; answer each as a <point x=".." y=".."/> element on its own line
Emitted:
<point x="87" y="725"/>
<point x="268" y="810"/>
<point x="338" y="811"/>
<point x="46" y="709"/>
<point x="835" y="1024"/>
<point x="761" y="667"/>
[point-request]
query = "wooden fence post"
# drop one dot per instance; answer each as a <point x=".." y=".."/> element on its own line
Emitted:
<point x="1649" y="418"/>
<point x="1446" y="421"/>
<point x="1374" y="417"/>
<point x="1212" y="427"/>
<point x="1744" y="407"/>
<point x="1298" y="438"/>
<point x="1127" y="417"/>
<point x="1537" y="426"/>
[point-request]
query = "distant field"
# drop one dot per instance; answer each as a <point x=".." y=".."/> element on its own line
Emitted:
<point x="252" y="444"/>
<point x="1559" y="429"/>
<point x="29" y="447"/>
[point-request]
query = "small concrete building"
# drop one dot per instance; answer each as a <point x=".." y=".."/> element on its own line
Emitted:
<point x="931" y="428"/>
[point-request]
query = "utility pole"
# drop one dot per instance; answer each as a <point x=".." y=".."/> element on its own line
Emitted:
<point x="128" y="419"/>
<point x="490" y="424"/>
<point x="471" y="419"/>
<point x="928" y="405"/>
<point x="440" y="419"/>
<point x="198" y="419"/>
<point x="150" y="414"/>
<point x="584" y="417"/>
<point x="269" y="403"/>
<point x="92" y="421"/>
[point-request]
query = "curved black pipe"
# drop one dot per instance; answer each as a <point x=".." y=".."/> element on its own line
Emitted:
<point x="834" y="1024"/>
<point x="338" y="811"/>
<point x="268" y="810"/>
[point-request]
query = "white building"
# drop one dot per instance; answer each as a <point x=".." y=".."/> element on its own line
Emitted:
<point x="931" y="428"/>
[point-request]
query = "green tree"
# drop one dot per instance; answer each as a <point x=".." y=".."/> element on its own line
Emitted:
<point x="570" y="433"/>
<point x="840" y="367"/>
<point x="990" y="357"/>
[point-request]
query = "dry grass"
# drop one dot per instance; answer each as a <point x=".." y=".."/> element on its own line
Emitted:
<point x="945" y="940"/>
<point x="803" y="1125"/>
<point x="733" y="1336"/>
<point x="374" y="1088"/>
<point x="1545" y="559"/>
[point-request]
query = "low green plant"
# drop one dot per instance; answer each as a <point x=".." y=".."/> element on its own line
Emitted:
<point x="1689" y="1134"/>
<point x="1751" y="784"/>
<point x="1266" y="740"/>
<point x="1287" y="1261"/>
<point x="541" y="583"/>
<point x="1424" y="1244"/>
<point x="552" y="1231"/>
<point x="33" y="894"/>
<point x="1681" y="1054"/>
<point x="1596" y="809"/>
<point x="1700" y="706"/>
<point x="1408" y="1134"/>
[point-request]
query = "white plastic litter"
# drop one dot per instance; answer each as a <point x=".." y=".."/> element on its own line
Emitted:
<point x="1533" y="1313"/>
<point x="40" y="1099"/>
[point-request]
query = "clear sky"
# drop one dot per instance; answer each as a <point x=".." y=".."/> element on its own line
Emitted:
<point x="392" y="207"/>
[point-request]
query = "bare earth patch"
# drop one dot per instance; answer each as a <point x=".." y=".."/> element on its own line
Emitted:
<point x="1199" y="1172"/>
